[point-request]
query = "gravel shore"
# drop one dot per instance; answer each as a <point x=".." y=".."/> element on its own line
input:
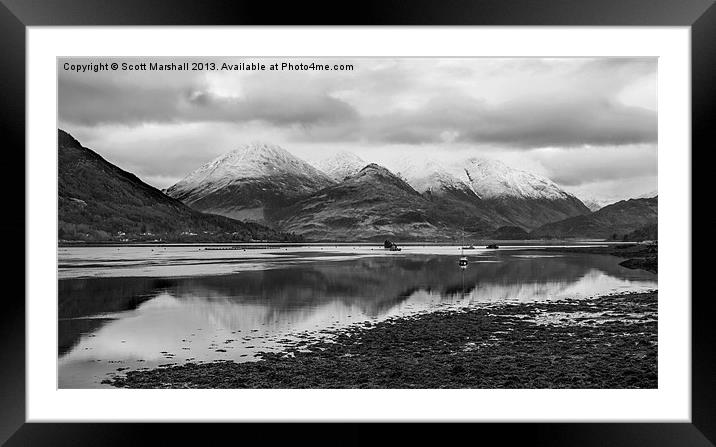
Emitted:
<point x="605" y="342"/>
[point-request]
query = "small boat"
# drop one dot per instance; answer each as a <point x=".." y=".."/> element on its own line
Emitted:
<point x="493" y="246"/>
<point x="471" y="247"/>
<point x="463" y="259"/>
<point x="394" y="248"/>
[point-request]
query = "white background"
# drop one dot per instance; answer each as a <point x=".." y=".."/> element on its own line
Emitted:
<point x="670" y="402"/>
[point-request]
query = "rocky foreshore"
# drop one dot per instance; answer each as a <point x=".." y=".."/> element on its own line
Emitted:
<point x="605" y="342"/>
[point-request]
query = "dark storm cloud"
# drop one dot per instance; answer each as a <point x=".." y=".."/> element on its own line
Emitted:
<point x="300" y="109"/>
<point x="561" y="122"/>
<point x="515" y="103"/>
<point x="108" y="100"/>
<point x="517" y="124"/>
<point x="593" y="164"/>
<point x="90" y="103"/>
<point x="540" y="105"/>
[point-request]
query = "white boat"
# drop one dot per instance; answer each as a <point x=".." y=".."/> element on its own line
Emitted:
<point x="463" y="259"/>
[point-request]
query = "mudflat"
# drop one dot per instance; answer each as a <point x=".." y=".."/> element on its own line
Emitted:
<point x="605" y="342"/>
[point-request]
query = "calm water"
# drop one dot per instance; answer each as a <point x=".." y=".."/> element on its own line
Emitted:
<point x="140" y="307"/>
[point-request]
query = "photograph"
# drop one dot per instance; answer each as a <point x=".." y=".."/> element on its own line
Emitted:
<point x="357" y="222"/>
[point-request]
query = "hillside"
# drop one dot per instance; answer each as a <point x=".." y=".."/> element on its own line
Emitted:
<point x="646" y="233"/>
<point x="372" y="204"/>
<point x="97" y="201"/>
<point x="611" y="222"/>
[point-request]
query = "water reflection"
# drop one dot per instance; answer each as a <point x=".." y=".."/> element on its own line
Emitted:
<point x="106" y="323"/>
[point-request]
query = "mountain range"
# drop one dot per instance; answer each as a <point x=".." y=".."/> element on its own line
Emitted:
<point x="372" y="204"/>
<point x="97" y="201"/>
<point x="344" y="197"/>
<point x="263" y="192"/>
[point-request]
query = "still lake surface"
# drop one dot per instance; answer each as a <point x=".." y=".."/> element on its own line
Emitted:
<point x="132" y="307"/>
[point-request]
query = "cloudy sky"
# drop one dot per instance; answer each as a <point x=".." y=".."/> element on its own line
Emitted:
<point x="588" y="124"/>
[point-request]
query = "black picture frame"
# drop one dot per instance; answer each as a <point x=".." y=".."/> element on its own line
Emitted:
<point x="17" y="15"/>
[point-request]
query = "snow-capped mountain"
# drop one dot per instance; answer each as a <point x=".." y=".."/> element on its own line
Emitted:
<point x="596" y="204"/>
<point x="248" y="182"/>
<point x="487" y="178"/>
<point x="430" y="176"/>
<point x="341" y="165"/>
<point x="492" y="179"/>
<point x="648" y="195"/>
<point x="453" y="197"/>
<point x="255" y="160"/>
<point x="493" y="191"/>
<point x="259" y="182"/>
<point x="525" y="199"/>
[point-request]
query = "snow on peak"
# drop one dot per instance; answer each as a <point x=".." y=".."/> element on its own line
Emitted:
<point x="487" y="178"/>
<point x="648" y="195"/>
<point x="253" y="160"/>
<point x="596" y="204"/>
<point x="429" y="175"/>
<point x="491" y="179"/>
<point x="341" y="165"/>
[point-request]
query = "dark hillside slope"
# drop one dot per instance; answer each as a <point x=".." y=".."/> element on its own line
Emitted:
<point x="97" y="201"/>
<point x="611" y="222"/>
<point x="373" y="204"/>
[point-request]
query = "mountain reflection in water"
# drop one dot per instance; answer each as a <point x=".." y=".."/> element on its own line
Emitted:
<point x="145" y="319"/>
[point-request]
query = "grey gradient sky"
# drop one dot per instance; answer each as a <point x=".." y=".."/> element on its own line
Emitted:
<point x="588" y="124"/>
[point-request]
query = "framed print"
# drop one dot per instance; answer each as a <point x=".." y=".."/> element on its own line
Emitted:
<point x="231" y="218"/>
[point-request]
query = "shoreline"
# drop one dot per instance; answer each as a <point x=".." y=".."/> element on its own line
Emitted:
<point x="636" y="256"/>
<point x="376" y="243"/>
<point x="604" y="342"/>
